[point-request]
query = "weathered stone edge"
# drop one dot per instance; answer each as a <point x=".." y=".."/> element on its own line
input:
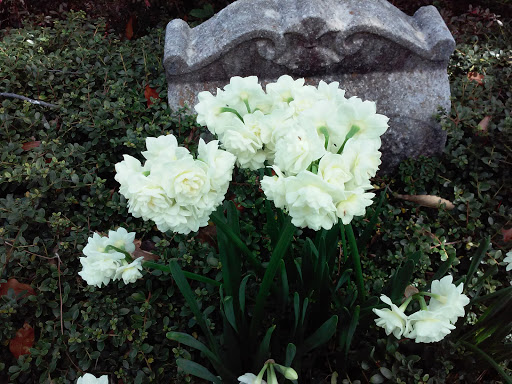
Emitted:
<point x="425" y="33"/>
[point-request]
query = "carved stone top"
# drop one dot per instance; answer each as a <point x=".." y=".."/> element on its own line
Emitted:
<point x="308" y="37"/>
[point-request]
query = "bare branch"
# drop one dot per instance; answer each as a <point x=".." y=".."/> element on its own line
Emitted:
<point x="37" y="102"/>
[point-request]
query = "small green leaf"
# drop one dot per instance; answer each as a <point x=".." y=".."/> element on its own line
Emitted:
<point x="197" y="370"/>
<point x="322" y="335"/>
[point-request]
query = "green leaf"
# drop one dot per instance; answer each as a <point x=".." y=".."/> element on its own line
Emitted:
<point x="291" y="350"/>
<point x="296" y="309"/>
<point x="363" y="240"/>
<point x="263" y="349"/>
<point x="275" y="260"/>
<point x="229" y="312"/>
<point x="190" y="341"/>
<point x="490" y="360"/>
<point x="322" y="335"/>
<point x="241" y="292"/>
<point x="477" y="259"/>
<point x="189" y="296"/>
<point x="285" y="289"/>
<point x="197" y="370"/>
<point x="352" y="328"/>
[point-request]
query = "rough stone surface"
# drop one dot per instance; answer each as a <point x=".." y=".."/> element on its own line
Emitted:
<point x="371" y="48"/>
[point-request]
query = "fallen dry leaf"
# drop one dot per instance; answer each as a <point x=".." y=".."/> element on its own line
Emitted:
<point x="22" y="342"/>
<point x="507" y="234"/>
<point x="484" y="124"/>
<point x="150" y="93"/>
<point x="30" y="145"/>
<point x="129" y="28"/>
<point x="17" y="287"/>
<point x="427" y="200"/>
<point x="476" y="77"/>
<point x="148" y="256"/>
<point x="208" y="235"/>
<point x="410" y="290"/>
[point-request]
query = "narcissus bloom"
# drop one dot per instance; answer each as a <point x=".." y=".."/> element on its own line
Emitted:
<point x="394" y="320"/>
<point x="91" y="379"/>
<point x="429" y="326"/>
<point x="250" y="378"/>
<point x="448" y="298"/>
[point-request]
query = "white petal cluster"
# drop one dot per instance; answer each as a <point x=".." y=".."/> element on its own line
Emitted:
<point x="427" y="325"/>
<point x="172" y="188"/>
<point x="91" y="379"/>
<point x="250" y="378"/>
<point x="508" y="260"/>
<point x="323" y="147"/>
<point x="102" y="263"/>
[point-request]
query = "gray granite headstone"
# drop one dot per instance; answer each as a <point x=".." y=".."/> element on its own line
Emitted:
<point x="371" y="48"/>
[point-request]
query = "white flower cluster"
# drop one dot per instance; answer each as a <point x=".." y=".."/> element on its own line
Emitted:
<point x="430" y="324"/>
<point x="103" y="263"/>
<point x="91" y="379"/>
<point x="322" y="147"/>
<point x="172" y="188"/>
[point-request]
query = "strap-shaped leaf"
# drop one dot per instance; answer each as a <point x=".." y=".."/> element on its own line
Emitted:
<point x="322" y="335"/>
<point x="345" y="276"/>
<point x="272" y="228"/>
<point x="189" y="296"/>
<point x="291" y="350"/>
<point x="477" y="259"/>
<point x="296" y="310"/>
<point x="229" y="312"/>
<point x="352" y="328"/>
<point x="285" y="288"/>
<point x="222" y="226"/>
<point x="507" y="378"/>
<point x="356" y="261"/>
<point x="190" y="341"/>
<point x="444" y="267"/>
<point x="263" y="349"/>
<point x="241" y="292"/>
<point x="363" y="240"/>
<point x="304" y="310"/>
<point x="268" y="279"/>
<point x="195" y="369"/>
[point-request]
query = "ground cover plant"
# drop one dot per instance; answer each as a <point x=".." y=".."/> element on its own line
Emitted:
<point x="58" y="188"/>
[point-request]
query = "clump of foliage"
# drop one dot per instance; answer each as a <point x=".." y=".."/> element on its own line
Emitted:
<point x="57" y="187"/>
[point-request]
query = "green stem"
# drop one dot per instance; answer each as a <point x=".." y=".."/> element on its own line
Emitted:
<point x="246" y="102"/>
<point x="423" y="303"/>
<point x="232" y="110"/>
<point x="236" y="240"/>
<point x="353" y="130"/>
<point x="188" y="275"/>
<point x="357" y="262"/>
<point x="127" y="256"/>
<point x="268" y="278"/>
<point x="323" y="130"/>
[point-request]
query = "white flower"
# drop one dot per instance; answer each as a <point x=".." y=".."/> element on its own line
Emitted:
<point x="185" y="180"/>
<point x="335" y="170"/>
<point x="508" y="260"/>
<point x="164" y="148"/>
<point x="250" y="378"/>
<point x="354" y="204"/>
<point x="297" y="150"/>
<point x="448" y="298"/>
<point x="244" y="91"/>
<point x="220" y="164"/>
<point x="362" y="158"/>
<point x="122" y="239"/>
<point x="356" y="112"/>
<point x="331" y="91"/>
<point x="91" y="379"/>
<point x="309" y="200"/>
<point x="284" y="88"/>
<point x="130" y="272"/>
<point x="393" y="320"/>
<point x="274" y="187"/>
<point x="209" y="109"/>
<point x="100" y="265"/>
<point x="428" y="326"/>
